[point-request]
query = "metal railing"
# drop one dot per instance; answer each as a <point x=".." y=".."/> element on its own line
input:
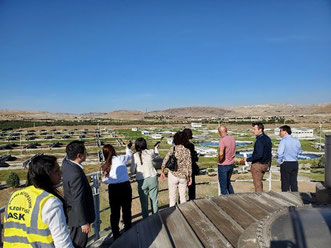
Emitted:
<point x="2" y="211"/>
<point x="96" y="199"/>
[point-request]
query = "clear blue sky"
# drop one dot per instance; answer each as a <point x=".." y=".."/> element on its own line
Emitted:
<point x="99" y="56"/>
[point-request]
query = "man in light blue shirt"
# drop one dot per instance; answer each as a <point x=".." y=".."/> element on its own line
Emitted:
<point x="287" y="156"/>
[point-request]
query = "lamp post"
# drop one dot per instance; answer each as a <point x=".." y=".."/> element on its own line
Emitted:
<point x="320" y="136"/>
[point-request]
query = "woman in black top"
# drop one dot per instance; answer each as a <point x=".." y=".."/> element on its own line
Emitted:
<point x="195" y="167"/>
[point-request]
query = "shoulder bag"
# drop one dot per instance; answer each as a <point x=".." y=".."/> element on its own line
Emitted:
<point x="172" y="162"/>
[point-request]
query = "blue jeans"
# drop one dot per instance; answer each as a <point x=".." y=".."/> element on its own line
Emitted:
<point x="224" y="176"/>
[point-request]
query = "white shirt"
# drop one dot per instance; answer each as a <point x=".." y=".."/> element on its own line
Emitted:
<point x="77" y="164"/>
<point x="146" y="169"/>
<point x="118" y="172"/>
<point x="52" y="214"/>
<point x="288" y="150"/>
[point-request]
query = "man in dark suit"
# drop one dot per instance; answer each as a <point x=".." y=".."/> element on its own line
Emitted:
<point x="77" y="194"/>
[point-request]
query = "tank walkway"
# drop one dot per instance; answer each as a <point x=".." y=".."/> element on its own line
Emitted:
<point x="223" y="221"/>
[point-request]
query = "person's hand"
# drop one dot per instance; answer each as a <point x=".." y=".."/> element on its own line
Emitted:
<point x="86" y="228"/>
<point x="245" y="159"/>
<point x="129" y="145"/>
<point x="189" y="181"/>
<point x="162" y="176"/>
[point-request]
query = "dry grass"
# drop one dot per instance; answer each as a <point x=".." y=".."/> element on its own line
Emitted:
<point x="5" y="193"/>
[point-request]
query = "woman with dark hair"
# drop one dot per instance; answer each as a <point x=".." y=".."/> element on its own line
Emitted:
<point x="115" y="174"/>
<point x="146" y="175"/>
<point x="34" y="215"/>
<point x="194" y="158"/>
<point x="182" y="177"/>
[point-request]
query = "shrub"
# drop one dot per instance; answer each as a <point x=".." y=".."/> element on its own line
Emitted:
<point x="13" y="180"/>
<point x="314" y="163"/>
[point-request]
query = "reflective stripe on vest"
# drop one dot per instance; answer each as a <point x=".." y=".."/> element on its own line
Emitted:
<point x="28" y="230"/>
<point x="35" y="212"/>
<point x="23" y="222"/>
<point x="24" y="240"/>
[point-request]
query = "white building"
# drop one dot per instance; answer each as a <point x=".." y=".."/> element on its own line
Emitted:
<point x="168" y="132"/>
<point x="196" y="125"/>
<point x="300" y="133"/>
<point x="145" y="132"/>
<point x="206" y="151"/>
<point x="156" y="136"/>
<point x="134" y="129"/>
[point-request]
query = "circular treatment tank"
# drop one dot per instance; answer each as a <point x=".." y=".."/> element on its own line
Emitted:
<point x="308" y="226"/>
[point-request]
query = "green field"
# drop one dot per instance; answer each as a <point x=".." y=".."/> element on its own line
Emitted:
<point x="127" y="134"/>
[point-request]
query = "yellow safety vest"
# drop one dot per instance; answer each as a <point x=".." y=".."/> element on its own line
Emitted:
<point x="23" y="223"/>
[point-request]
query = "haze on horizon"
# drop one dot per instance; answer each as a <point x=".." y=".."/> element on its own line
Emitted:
<point x="100" y="56"/>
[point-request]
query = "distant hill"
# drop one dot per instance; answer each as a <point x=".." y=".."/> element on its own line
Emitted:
<point x="324" y="109"/>
<point x="125" y="115"/>
<point x="34" y="115"/>
<point x="274" y="109"/>
<point x="194" y="112"/>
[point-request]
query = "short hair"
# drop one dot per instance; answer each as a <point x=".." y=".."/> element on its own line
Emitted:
<point x="286" y="128"/>
<point x="259" y="125"/>
<point x="74" y="148"/>
<point x="188" y="132"/>
<point x="180" y="138"/>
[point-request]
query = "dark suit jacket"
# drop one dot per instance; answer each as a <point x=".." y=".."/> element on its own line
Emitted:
<point x="77" y="194"/>
<point x="194" y="158"/>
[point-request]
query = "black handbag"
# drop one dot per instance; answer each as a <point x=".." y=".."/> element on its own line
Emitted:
<point x="172" y="162"/>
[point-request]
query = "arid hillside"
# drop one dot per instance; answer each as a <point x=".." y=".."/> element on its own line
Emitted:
<point x="194" y="112"/>
<point x="325" y="109"/>
<point x="125" y="115"/>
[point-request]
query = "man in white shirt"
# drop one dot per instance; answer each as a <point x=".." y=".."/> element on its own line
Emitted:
<point x="287" y="157"/>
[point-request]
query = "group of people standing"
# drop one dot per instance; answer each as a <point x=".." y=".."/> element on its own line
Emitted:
<point x="38" y="215"/>
<point x="287" y="157"/>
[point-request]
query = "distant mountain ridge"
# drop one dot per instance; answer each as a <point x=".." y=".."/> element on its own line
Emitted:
<point x="194" y="112"/>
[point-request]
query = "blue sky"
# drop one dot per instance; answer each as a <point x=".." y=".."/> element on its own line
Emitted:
<point x="100" y="56"/>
